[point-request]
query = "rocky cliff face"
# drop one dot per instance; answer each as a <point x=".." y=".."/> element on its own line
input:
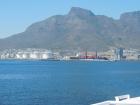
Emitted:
<point x="79" y="29"/>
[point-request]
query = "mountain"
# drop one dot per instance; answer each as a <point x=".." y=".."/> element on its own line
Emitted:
<point x="80" y="29"/>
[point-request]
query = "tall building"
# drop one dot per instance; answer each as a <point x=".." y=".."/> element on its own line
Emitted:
<point x="119" y="53"/>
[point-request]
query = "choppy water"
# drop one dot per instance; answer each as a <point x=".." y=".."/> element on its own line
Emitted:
<point x="66" y="82"/>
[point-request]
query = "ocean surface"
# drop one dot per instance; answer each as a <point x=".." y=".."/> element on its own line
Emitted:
<point x="66" y="82"/>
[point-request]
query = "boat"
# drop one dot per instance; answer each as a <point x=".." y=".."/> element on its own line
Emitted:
<point x="121" y="100"/>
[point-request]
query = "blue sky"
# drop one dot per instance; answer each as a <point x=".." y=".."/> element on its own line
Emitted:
<point x="17" y="15"/>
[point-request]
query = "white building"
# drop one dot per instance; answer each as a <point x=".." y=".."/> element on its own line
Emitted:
<point x="34" y="54"/>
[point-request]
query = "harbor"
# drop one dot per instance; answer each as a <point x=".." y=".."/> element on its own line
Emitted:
<point x="28" y="82"/>
<point x="113" y="54"/>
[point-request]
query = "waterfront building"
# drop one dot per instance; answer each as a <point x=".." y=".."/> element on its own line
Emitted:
<point x="107" y="54"/>
<point x="28" y="54"/>
<point x="119" y="53"/>
<point x="132" y="54"/>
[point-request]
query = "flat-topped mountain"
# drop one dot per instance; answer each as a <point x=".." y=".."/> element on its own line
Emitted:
<point x="80" y="29"/>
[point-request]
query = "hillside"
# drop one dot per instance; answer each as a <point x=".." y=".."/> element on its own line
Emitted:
<point x="79" y="29"/>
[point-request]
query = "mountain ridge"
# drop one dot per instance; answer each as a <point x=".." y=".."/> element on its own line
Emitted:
<point x="80" y="29"/>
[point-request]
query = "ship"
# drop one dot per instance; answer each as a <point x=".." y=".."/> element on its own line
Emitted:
<point x="121" y="100"/>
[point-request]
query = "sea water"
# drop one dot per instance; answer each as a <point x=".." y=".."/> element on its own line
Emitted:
<point x="66" y="82"/>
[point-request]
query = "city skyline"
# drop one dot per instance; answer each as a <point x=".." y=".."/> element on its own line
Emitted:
<point x="18" y="15"/>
